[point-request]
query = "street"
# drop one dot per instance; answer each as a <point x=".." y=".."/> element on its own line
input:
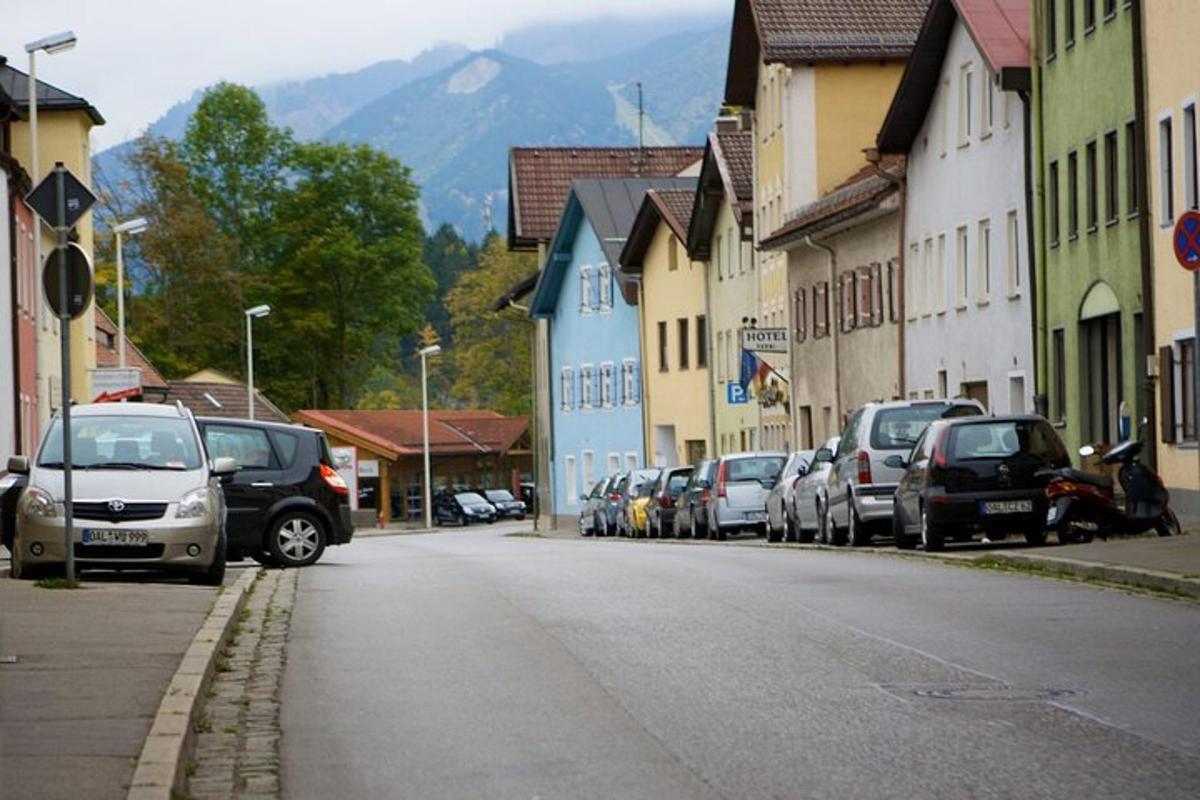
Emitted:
<point x="480" y="664"/>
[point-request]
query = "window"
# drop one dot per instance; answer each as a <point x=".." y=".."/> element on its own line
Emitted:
<point x="567" y="389"/>
<point x="1014" y="254"/>
<point x="800" y="314"/>
<point x="248" y="447"/>
<point x="286" y="445"/>
<point x="702" y="342"/>
<point x="1191" y="192"/>
<point x="672" y="253"/>
<point x="606" y="287"/>
<point x="821" y="310"/>
<point x="943" y="383"/>
<point x="684" y="343"/>
<point x="1051" y="29"/>
<point x="942" y="277"/>
<point x="846" y="301"/>
<point x="587" y="388"/>
<point x="1089" y="180"/>
<point x="1166" y="171"/>
<point x="893" y="281"/>
<point x="589" y="469"/>
<point x="1187" y="389"/>
<point x="1131" y="173"/>
<point x="1072" y="195"/>
<point x="631" y="461"/>
<point x="944" y="112"/>
<point x="629" y="382"/>
<point x="607" y="386"/>
<point x="1089" y="16"/>
<point x="876" y="294"/>
<point x="1110" y="9"/>
<point x="614" y="463"/>
<point x="866" y="293"/>
<point x="721" y="357"/>
<point x="1059" y="354"/>
<point x="1111" y="176"/>
<point x="1052" y="203"/>
<point x="929" y="284"/>
<point x="585" y="289"/>
<point x="572" y="482"/>
<point x="988" y="112"/>
<point x="1069" y="23"/>
<point x="984" y="258"/>
<point x="662" y="346"/>
<point x="732" y="365"/>
<point x="966" y="77"/>
<point x="960" y="288"/>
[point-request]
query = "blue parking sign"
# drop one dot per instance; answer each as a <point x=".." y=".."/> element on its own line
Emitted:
<point x="736" y="394"/>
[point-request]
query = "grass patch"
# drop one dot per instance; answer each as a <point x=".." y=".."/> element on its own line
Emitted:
<point x="524" y="535"/>
<point x="244" y="614"/>
<point x="202" y="724"/>
<point x="230" y="730"/>
<point x="57" y="583"/>
<point x="222" y="662"/>
<point x="1000" y="564"/>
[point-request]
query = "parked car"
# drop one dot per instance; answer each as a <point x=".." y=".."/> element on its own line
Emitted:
<point x="286" y="501"/>
<point x="691" y="507"/>
<point x="808" y="498"/>
<point x="628" y="489"/>
<point x="977" y="475"/>
<point x="11" y="485"/>
<point x="507" y="506"/>
<point x="861" y="485"/>
<point x="780" y="524"/>
<point x="609" y="506"/>
<point x="739" y="497"/>
<point x="591" y="505"/>
<point x="529" y="498"/>
<point x="461" y="508"/>
<point x="639" y="508"/>
<point x="144" y="494"/>
<point x="666" y="491"/>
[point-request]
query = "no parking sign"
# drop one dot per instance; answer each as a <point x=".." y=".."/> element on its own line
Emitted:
<point x="1187" y="240"/>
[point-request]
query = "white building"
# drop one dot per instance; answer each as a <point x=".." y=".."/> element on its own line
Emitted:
<point x="959" y="117"/>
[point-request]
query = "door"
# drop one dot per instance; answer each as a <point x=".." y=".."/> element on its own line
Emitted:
<point x="1100" y="340"/>
<point x="978" y="391"/>
<point x="257" y="484"/>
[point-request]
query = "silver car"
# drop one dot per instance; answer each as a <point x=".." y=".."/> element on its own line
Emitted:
<point x="739" y="498"/>
<point x="808" y="498"/>
<point x="861" y="485"/>
<point x="144" y="496"/>
<point x="780" y="523"/>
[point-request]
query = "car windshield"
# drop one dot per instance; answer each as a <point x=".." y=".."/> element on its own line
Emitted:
<point x="899" y="428"/>
<point x="678" y="481"/>
<point x="499" y="495"/>
<point x="469" y="498"/>
<point x="761" y="468"/>
<point x="998" y="440"/>
<point x="124" y="442"/>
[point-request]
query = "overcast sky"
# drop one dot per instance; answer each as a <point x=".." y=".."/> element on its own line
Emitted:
<point x="136" y="58"/>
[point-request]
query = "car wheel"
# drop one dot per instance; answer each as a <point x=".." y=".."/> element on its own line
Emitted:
<point x="932" y="536"/>
<point x="790" y="532"/>
<point x="903" y="540"/>
<point x="1036" y="538"/>
<point x="215" y="574"/>
<point x="263" y="557"/>
<point x="297" y="539"/>
<point x="856" y="533"/>
<point x="774" y="536"/>
<point x="717" y="532"/>
<point x="833" y="535"/>
<point x="17" y="569"/>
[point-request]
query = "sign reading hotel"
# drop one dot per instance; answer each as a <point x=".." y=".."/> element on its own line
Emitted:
<point x="765" y="340"/>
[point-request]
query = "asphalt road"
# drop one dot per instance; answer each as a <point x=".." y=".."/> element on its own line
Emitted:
<point x="471" y="664"/>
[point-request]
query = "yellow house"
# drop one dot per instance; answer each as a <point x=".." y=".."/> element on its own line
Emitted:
<point x="819" y="77"/>
<point x="672" y="311"/>
<point x="64" y="129"/>
<point x="1172" y="91"/>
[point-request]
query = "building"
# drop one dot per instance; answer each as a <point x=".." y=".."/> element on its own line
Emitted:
<point x="843" y="255"/>
<point x="1172" y="88"/>
<point x="1091" y="292"/>
<point x="959" y="119"/>
<point x="722" y="235"/>
<point x="670" y="291"/>
<point x="212" y="393"/>
<point x="538" y="181"/>
<point x="819" y="75"/>
<point x="151" y="387"/>
<point x="596" y="423"/>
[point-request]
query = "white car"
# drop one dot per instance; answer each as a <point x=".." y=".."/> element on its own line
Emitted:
<point x="808" y="498"/>
<point x="780" y="522"/>
<point x="739" y="495"/>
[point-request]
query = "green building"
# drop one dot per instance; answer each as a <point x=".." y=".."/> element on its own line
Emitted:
<point x="1086" y="140"/>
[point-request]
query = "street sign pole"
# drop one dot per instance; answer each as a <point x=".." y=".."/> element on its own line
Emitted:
<point x="1196" y="354"/>
<point x="64" y="319"/>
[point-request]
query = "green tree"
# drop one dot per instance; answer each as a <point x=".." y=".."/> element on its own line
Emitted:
<point x="492" y="351"/>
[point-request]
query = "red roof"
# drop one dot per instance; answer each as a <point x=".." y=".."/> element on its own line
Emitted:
<point x="1000" y="29"/>
<point x="398" y="432"/>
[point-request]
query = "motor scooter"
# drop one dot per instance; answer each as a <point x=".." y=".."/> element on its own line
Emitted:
<point x="1082" y="505"/>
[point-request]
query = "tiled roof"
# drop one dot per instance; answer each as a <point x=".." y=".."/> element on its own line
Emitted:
<point x="1000" y="29"/>
<point x="734" y="152"/>
<point x="15" y="84"/>
<point x="398" y="432"/>
<point x="107" y="356"/>
<point x="860" y="192"/>
<point x="670" y="205"/>
<point x="727" y="175"/>
<point x="539" y="178"/>
<point x="222" y="400"/>
<point x="675" y="206"/>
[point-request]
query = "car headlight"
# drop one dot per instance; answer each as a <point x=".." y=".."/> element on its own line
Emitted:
<point x="193" y="505"/>
<point x="470" y="512"/>
<point x="36" y="502"/>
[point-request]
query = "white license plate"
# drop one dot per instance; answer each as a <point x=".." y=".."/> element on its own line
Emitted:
<point x="131" y="538"/>
<point x="1007" y="507"/>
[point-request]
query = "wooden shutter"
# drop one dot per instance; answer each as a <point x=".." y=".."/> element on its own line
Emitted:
<point x="877" y="294"/>
<point x="1166" y="392"/>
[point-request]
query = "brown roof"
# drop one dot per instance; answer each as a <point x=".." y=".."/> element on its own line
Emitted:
<point x="539" y="178"/>
<point x="226" y="400"/>
<point x="670" y="206"/>
<point x="398" y="432"/>
<point x="109" y="355"/>
<point x="734" y="152"/>
<point x="675" y="206"/>
<point x="859" y="193"/>
<point x="727" y="175"/>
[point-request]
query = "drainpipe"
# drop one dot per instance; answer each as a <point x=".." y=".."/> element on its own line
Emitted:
<point x="713" y="397"/>
<point x="1144" y="233"/>
<point x="647" y="445"/>
<point x="1041" y="404"/>
<point x="901" y="184"/>
<point x="837" y="372"/>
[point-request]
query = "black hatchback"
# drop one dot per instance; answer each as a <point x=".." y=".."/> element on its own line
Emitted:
<point x="976" y="475"/>
<point x="286" y="502"/>
<point x="461" y="508"/>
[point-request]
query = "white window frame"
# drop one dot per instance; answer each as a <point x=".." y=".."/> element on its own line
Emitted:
<point x="1191" y="181"/>
<point x="942" y="277"/>
<point x="586" y="401"/>
<point x="604" y="277"/>
<point x="910" y="282"/>
<point x="1166" y="169"/>
<point x="966" y="97"/>
<point x="566" y="388"/>
<point x="585" y="290"/>
<point x="928" y="284"/>
<point x="613" y="463"/>
<point x="983" y="261"/>
<point x="962" y="252"/>
<point x="944" y="113"/>
<point x="588" y="460"/>
<point x="1013" y="237"/>
<point x="631" y="461"/>
<point x="629" y="382"/>
<point x="607" y="384"/>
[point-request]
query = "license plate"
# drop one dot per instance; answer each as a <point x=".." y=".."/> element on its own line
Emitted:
<point x="1007" y="507"/>
<point x="130" y="538"/>
<point x="756" y="516"/>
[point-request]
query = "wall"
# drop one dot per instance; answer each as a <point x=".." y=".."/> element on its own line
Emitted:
<point x="988" y="336"/>
<point x="851" y="101"/>
<point x="8" y="372"/>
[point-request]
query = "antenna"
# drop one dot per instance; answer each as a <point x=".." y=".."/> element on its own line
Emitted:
<point x="641" y="129"/>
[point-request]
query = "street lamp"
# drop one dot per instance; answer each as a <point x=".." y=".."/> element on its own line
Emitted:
<point x="251" y="315"/>
<point x="432" y="350"/>
<point x="133" y="227"/>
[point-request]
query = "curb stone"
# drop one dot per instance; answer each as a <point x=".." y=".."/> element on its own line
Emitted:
<point x="162" y="766"/>
<point x="1113" y="573"/>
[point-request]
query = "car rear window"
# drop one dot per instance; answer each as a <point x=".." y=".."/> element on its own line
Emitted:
<point x="468" y="497"/>
<point x="753" y="469"/>
<point x="678" y="481"/>
<point x="899" y="428"/>
<point x="997" y="440"/>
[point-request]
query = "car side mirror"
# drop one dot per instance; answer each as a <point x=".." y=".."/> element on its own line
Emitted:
<point x="18" y="465"/>
<point x="800" y="473"/>
<point x="223" y="466"/>
<point x="895" y="462"/>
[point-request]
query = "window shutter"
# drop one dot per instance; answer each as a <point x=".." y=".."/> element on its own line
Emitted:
<point x="594" y="377"/>
<point x="637" y="382"/>
<point x="876" y="294"/>
<point x="1166" y="392"/>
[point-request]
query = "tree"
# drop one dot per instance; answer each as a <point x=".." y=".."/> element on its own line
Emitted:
<point x="492" y="351"/>
<point x="448" y="256"/>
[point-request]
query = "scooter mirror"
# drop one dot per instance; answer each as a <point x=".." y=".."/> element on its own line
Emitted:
<point x="1087" y="451"/>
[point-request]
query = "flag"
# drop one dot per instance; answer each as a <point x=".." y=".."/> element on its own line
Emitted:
<point x="755" y="371"/>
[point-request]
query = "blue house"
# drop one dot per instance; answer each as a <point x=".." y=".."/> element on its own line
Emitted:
<point x="596" y="426"/>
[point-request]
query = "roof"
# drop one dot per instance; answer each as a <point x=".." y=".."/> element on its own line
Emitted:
<point x="670" y="206"/>
<point x="798" y="31"/>
<point x="394" y="433"/>
<point x="515" y="292"/>
<point x="226" y="400"/>
<point x="861" y="192"/>
<point x="610" y="207"/>
<point x="1000" y="31"/>
<point x="109" y="357"/>
<point x="539" y="178"/>
<point x="727" y="174"/>
<point x="15" y="84"/>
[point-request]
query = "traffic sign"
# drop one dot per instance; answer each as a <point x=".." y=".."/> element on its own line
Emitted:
<point x="44" y="199"/>
<point x="1187" y="240"/>
<point x="765" y="340"/>
<point x="735" y="394"/>
<point x="79" y="282"/>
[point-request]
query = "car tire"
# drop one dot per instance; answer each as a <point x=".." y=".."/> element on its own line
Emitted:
<point x="790" y="531"/>
<point x="834" y="536"/>
<point x="214" y="575"/>
<point x="932" y="536"/>
<point x="1035" y="538"/>
<point x="263" y="557"/>
<point x="857" y="534"/>
<point x="773" y="536"/>
<point x="903" y="540"/>
<point x="296" y="539"/>
<point x="18" y="569"/>
<point x="719" y="533"/>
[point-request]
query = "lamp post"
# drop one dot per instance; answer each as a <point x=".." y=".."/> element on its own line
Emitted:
<point x="251" y="315"/>
<point x="133" y="227"/>
<point x="432" y="350"/>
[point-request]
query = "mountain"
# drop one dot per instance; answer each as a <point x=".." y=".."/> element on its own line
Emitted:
<point x="601" y="38"/>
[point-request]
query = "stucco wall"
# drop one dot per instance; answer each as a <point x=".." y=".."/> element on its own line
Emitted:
<point x="851" y="102"/>
<point x="8" y="419"/>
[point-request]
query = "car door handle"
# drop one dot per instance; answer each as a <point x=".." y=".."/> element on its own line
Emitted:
<point x="261" y="485"/>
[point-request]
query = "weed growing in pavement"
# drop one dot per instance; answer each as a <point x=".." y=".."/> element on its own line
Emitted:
<point x="202" y="724"/>
<point x="230" y="730"/>
<point x="57" y="583"/>
<point x="998" y="564"/>
<point x="190" y="770"/>
<point x="244" y="614"/>
<point x="222" y="662"/>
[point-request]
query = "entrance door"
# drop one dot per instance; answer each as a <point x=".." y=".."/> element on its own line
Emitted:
<point x="976" y="390"/>
<point x="1100" y="342"/>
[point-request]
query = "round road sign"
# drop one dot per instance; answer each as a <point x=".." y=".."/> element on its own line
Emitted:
<point x="1187" y="240"/>
<point x="79" y="282"/>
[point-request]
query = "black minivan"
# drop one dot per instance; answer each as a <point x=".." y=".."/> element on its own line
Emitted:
<point x="286" y="502"/>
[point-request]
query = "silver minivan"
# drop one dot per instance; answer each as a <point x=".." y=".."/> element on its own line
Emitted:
<point x="740" y="490"/>
<point x="144" y="495"/>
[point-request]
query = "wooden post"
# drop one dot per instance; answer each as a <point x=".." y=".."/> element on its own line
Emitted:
<point x="385" y="492"/>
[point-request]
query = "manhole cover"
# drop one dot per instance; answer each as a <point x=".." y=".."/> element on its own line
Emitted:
<point x="1009" y="693"/>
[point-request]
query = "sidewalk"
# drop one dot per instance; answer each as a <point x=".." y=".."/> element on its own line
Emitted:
<point x="91" y="668"/>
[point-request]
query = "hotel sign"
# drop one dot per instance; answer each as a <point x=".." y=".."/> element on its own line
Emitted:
<point x="765" y="340"/>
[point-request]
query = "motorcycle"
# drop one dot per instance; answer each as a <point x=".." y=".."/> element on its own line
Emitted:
<point x="1083" y="505"/>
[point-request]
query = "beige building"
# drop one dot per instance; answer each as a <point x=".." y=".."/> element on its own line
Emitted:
<point x="672" y="311"/>
<point x="1172" y="92"/>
